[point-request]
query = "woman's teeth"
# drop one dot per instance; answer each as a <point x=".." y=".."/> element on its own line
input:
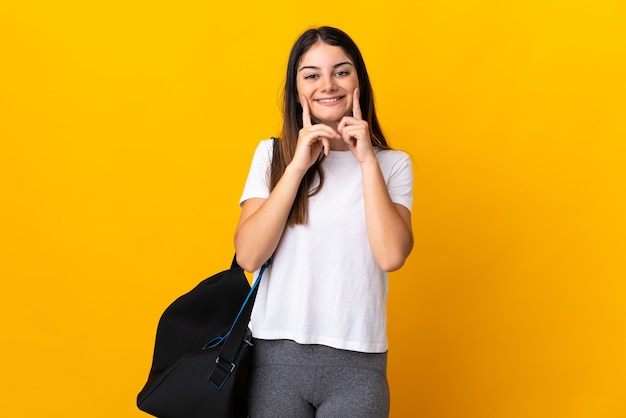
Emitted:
<point x="335" y="99"/>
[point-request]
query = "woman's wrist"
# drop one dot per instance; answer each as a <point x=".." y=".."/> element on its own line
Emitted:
<point x="370" y="163"/>
<point x="293" y="171"/>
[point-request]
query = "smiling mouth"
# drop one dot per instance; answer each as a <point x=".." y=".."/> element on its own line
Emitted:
<point x="329" y="100"/>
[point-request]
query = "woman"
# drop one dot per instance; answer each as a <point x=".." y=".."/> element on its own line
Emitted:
<point x="330" y="202"/>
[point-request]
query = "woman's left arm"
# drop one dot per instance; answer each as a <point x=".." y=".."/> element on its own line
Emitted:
<point x="389" y="229"/>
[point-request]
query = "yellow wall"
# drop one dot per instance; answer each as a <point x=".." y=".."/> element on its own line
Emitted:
<point x="127" y="127"/>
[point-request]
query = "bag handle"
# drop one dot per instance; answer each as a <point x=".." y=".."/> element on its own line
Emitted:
<point x="225" y="361"/>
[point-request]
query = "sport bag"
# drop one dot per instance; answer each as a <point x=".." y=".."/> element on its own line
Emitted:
<point x="202" y="351"/>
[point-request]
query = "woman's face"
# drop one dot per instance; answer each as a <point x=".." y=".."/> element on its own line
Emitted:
<point x="327" y="78"/>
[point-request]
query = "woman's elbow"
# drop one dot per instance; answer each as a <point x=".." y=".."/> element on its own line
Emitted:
<point x="391" y="264"/>
<point x="244" y="256"/>
<point x="248" y="263"/>
<point x="393" y="260"/>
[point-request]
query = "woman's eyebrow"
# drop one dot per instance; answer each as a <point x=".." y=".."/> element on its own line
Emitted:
<point x="312" y="67"/>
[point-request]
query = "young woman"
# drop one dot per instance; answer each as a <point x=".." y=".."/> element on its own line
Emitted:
<point x="330" y="202"/>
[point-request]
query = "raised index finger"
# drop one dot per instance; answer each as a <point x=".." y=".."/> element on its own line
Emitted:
<point x="306" y="113"/>
<point x="356" y="106"/>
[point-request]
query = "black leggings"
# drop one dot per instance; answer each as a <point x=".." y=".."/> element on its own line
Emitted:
<point x="290" y="380"/>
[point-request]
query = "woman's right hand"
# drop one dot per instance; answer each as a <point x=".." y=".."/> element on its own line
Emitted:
<point x="312" y="140"/>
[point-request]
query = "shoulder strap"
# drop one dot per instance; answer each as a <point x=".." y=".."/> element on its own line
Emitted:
<point x="225" y="362"/>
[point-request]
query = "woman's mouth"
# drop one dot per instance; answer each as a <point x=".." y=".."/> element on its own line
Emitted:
<point x="329" y="100"/>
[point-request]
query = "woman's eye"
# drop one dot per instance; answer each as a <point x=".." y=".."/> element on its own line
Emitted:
<point x="342" y="73"/>
<point x="310" y="77"/>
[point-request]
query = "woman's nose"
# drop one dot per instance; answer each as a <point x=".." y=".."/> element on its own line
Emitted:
<point x="329" y="84"/>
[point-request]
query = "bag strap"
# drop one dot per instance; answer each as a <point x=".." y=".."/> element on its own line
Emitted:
<point x="225" y="361"/>
<point x="233" y="264"/>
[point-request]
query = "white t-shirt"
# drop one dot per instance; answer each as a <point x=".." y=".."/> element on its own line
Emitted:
<point x="324" y="286"/>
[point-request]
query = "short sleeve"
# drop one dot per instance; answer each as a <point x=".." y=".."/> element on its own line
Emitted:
<point x="257" y="183"/>
<point x="398" y="172"/>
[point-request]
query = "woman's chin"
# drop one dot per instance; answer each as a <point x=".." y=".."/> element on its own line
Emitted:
<point x="330" y="119"/>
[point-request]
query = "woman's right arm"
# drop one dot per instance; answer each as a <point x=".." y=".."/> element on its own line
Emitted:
<point x="263" y="221"/>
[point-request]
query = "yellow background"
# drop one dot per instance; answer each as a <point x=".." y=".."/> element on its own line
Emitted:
<point x="127" y="128"/>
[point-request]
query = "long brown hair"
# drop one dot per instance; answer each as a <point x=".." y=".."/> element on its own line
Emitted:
<point x="285" y="145"/>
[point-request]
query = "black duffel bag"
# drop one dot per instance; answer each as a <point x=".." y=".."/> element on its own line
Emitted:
<point x="202" y="351"/>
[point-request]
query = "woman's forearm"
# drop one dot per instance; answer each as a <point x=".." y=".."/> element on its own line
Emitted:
<point x="263" y="221"/>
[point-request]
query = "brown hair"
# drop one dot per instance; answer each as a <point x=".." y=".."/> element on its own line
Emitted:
<point x="285" y="145"/>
